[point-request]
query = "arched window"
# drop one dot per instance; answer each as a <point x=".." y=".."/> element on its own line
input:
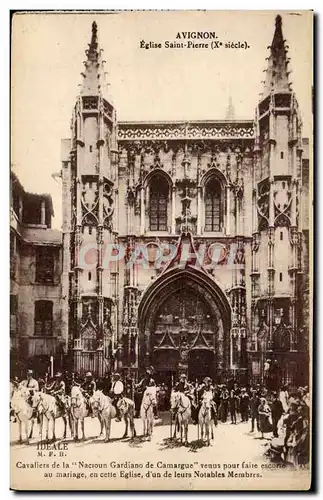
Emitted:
<point x="213" y="208"/>
<point x="158" y="204"/>
<point x="43" y="317"/>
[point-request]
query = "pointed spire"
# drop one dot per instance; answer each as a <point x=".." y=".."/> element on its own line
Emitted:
<point x="93" y="76"/>
<point x="230" y="112"/>
<point x="276" y="72"/>
<point x="92" y="53"/>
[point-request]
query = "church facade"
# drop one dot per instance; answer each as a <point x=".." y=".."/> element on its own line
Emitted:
<point x="185" y="244"/>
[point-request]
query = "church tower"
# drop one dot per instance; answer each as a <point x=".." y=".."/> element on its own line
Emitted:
<point x="89" y="163"/>
<point x="277" y="232"/>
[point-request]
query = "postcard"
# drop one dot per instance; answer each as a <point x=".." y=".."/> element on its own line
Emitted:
<point x="161" y="250"/>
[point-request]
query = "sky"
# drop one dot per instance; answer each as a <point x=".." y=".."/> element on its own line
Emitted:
<point x="48" y="51"/>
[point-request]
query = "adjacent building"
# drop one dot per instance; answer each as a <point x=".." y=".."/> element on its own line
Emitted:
<point x="35" y="282"/>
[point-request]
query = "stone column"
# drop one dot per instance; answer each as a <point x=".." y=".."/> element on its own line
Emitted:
<point x="173" y="211"/>
<point x="142" y="210"/>
<point x="43" y="213"/>
<point x="228" y="228"/>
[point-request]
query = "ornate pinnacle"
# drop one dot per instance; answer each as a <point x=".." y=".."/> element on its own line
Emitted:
<point x="92" y="53"/>
<point x="276" y="71"/>
<point x="278" y="40"/>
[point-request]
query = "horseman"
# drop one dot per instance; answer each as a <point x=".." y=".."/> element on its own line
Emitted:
<point x="186" y="388"/>
<point x="117" y="390"/>
<point x="88" y="389"/>
<point x="75" y="380"/>
<point x="68" y="377"/>
<point x="31" y="384"/>
<point x="15" y="382"/>
<point x="152" y="383"/>
<point x="183" y="385"/>
<point x="57" y="389"/>
<point x="89" y="385"/>
<point x="207" y="387"/>
<point x="144" y="383"/>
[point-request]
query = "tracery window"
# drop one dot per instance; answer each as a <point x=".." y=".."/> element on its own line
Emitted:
<point x="158" y="204"/>
<point x="44" y="318"/>
<point x="213" y="206"/>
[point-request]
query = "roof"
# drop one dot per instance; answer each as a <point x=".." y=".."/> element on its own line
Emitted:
<point x="43" y="196"/>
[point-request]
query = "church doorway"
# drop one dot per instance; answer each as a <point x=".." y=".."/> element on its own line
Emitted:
<point x="165" y="363"/>
<point x="201" y="363"/>
<point x="184" y="323"/>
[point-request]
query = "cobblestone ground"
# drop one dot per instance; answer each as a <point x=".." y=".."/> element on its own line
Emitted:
<point x="234" y="450"/>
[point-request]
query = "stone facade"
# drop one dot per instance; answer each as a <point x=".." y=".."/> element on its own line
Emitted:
<point x="155" y="186"/>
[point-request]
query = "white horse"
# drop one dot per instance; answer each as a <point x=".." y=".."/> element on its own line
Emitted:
<point x="49" y="410"/>
<point x="205" y="416"/>
<point x="149" y="400"/>
<point x="22" y="410"/>
<point x="102" y="404"/>
<point x="181" y="404"/>
<point x="80" y="410"/>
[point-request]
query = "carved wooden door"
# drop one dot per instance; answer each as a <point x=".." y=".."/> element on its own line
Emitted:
<point x="183" y="322"/>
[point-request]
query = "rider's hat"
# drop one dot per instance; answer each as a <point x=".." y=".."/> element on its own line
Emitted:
<point x="116" y="375"/>
<point x="88" y="374"/>
<point x="30" y="372"/>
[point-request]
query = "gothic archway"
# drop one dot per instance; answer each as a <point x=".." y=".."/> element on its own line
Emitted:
<point x="184" y="315"/>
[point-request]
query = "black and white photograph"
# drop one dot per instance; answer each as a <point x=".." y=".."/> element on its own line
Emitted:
<point x="161" y="250"/>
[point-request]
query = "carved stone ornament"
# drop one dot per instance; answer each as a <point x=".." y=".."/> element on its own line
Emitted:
<point x="165" y="131"/>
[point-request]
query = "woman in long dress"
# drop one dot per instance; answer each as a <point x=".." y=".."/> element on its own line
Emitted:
<point x="264" y="413"/>
<point x="283" y="396"/>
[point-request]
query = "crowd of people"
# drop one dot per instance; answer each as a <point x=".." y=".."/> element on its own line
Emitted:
<point x="283" y="415"/>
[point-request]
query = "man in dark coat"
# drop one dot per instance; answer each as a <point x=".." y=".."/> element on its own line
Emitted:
<point x="254" y="403"/>
<point x="244" y="405"/>
<point x="88" y="388"/>
<point x="89" y="385"/>
<point x="277" y="411"/>
<point x="234" y="403"/>
<point x="224" y="397"/>
<point x="57" y="389"/>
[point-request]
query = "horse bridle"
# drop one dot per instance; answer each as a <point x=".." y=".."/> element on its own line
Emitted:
<point x="206" y="405"/>
<point x="184" y="407"/>
<point x="96" y="404"/>
<point x="75" y="405"/>
<point x="146" y="408"/>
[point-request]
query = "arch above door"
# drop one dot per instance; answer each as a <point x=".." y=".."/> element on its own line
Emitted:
<point x="184" y="310"/>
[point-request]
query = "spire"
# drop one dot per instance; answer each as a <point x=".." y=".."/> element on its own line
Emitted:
<point x="93" y="75"/>
<point x="230" y="112"/>
<point x="276" y="72"/>
<point x="92" y="53"/>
